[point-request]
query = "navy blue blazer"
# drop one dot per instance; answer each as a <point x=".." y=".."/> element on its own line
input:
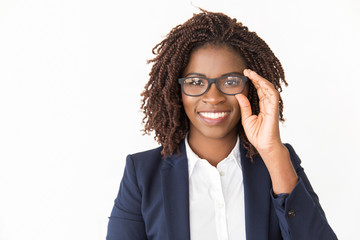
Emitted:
<point x="153" y="201"/>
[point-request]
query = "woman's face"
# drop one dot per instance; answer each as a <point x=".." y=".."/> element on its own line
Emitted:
<point x="214" y="114"/>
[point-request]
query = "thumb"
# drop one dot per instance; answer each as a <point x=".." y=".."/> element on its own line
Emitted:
<point x="245" y="106"/>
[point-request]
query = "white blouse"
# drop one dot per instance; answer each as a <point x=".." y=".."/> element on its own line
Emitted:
<point x="217" y="210"/>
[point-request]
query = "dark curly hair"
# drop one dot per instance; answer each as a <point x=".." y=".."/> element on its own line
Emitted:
<point x="162" y="105"/>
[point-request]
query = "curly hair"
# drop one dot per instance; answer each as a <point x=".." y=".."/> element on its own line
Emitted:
<point x="162" y="104"/>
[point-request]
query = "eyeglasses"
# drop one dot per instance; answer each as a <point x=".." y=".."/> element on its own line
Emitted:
<point x="197" y="85"/>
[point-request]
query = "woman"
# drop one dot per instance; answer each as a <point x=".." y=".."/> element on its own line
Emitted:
<point x="222" y="171"/>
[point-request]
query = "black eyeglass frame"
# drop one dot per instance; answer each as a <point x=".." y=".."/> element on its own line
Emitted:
<point x="210" y="81"/>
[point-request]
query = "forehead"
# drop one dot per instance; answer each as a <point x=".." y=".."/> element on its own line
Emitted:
<point x="214" y="61"/>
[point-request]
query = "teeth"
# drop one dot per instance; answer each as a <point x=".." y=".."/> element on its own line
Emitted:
<point x="212" y="115"/>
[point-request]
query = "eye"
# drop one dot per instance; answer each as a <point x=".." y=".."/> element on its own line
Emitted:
<point x="233" y="81"/>
<point x="195" y="81"/>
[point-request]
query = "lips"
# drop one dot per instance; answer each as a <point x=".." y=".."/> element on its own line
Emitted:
<point x="213" y="118"/>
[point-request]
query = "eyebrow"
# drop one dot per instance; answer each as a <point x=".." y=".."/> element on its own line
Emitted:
<point x="203" y="75"/>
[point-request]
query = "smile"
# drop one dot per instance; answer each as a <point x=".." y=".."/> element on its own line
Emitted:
<point x="213" y="115"/>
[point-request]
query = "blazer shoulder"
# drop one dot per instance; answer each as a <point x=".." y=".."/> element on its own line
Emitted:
<point x="147" y="154"/>
<point x="147" y="160"/>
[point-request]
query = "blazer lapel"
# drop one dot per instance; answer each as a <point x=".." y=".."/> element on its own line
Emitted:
<point x="175" y="188"/>
<point x="257" y="186"/>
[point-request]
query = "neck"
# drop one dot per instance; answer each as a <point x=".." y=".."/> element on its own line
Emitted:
<point x="213" y="150"/>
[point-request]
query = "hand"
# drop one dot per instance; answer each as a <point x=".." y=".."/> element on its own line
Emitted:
<point x="262" y="130"/>
<point x="263" y="133"/>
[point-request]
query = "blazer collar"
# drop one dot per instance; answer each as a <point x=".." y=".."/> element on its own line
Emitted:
<point x="175" y="186"/>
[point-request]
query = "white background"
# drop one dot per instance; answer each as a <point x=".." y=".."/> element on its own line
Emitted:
<point x="71" y="74"/>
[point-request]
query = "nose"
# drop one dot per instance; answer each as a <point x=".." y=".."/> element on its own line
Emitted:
<point x="213" y="96"/>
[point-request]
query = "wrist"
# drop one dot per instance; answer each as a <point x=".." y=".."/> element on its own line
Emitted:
<point x="273" y="152"/>
<point x="281" y="170"/>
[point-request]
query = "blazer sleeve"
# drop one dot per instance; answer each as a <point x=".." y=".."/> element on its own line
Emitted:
<point x="300" y="214"/>
<point x="126" y="221"/>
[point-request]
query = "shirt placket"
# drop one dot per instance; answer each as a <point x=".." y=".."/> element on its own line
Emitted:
<point x="219" y="205"/>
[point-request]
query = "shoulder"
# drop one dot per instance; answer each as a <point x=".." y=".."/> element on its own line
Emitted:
<point x="146" y="162"/>
<point x="148" y="154"/>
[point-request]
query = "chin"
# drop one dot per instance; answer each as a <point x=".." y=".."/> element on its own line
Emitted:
<point x="214" y="133"/>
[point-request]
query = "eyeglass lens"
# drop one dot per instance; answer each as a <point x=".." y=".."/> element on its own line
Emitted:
<point x="227" y="85"/>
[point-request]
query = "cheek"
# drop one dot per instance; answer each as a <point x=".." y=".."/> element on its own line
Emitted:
<point x="234" y="102"/>
<point x="188" y="103"/>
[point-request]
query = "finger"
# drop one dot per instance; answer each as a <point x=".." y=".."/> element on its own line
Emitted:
<point x="255" y="82"/>
<point x="270" y="93"/>
<point x="245" y="106"/>
<point x="265" y="89"/>
<point x="257" y="79"/>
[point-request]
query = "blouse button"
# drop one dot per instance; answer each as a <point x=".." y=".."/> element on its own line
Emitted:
<point x="222" y="173"/>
